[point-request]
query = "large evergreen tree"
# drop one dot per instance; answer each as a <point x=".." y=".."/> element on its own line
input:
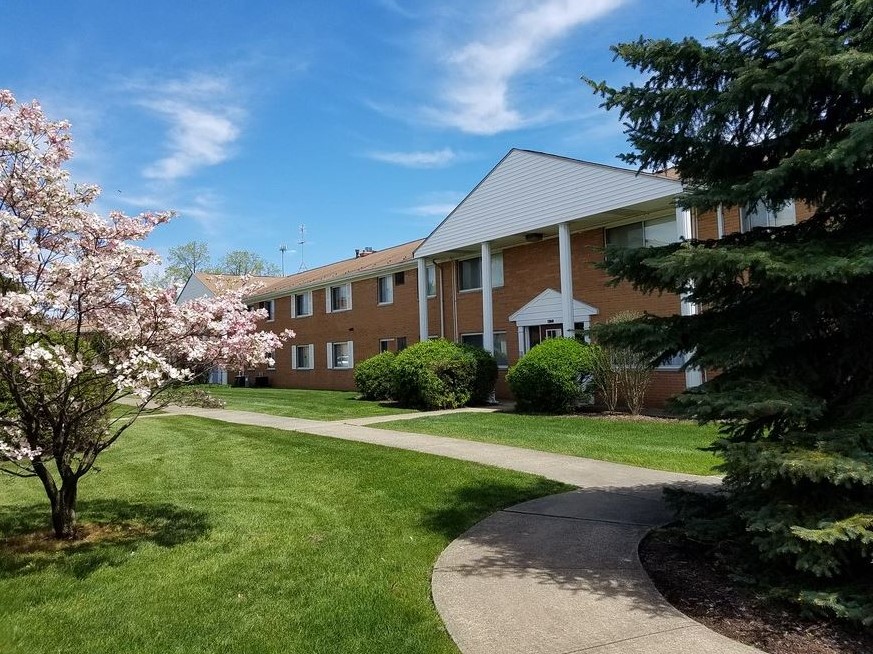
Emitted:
<point x="777" y="107"/>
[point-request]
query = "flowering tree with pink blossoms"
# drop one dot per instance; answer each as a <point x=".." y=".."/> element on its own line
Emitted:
<point x="79" y="327"/>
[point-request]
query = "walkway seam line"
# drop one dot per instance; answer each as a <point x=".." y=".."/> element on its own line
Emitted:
<point x="571" y="517"/>
<point x="627" y="640"/>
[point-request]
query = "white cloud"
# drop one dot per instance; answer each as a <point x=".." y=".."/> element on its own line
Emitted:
<point x="421" y="159"/>
<point x="437" y="204"/>
<point x="475" y="90"/>
<point x="436" y="210"/>
<point x="203" y="125"/>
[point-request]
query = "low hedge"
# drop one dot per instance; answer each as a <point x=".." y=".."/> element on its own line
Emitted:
<point x="434" y="374"/>
<point x="550" y="378"/>
<point x="373" y="377"/>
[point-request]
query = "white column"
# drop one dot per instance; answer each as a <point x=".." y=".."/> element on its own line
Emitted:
<point x="487" y="306"/>
<point x="521" y="342"/>
<point x="693" y="376"/>
<point x="566" y="278"/>
<point x="423" y="330"/>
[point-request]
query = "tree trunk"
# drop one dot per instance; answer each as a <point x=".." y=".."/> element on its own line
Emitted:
<point x="63" y="500"/>
<point x="64" y="510"/>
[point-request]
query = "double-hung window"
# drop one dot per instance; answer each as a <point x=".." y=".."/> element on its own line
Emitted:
<point x="758" y="215"/>
<point x="430" y="271"/>
<point x="268" y="306"/>
<point x="470" y="272"/>
<point x="501" y="353"/>
<point x="385" y="289"/>
<point x="302" y="357"/>
<point x="340" y="355"/>
<point x="339" y="298"/>
<point x="654" y="232"/>
<point x="302" y="306"/>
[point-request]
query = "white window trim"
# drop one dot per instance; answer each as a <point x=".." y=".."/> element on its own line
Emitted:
<point x="294" y="349"/>
<point x="771" y="215"/>
<point x="390" y="279"/>
<point x="294" y="313"/>
<point x="478" y="289"/>
<point x="329" y="293"/>
<point x="388" y="342"/>
<point x="650" y="219"/>
<point x="330" y="364"/>
<point x="673" y="368"/>
<point x="428" y="267"/>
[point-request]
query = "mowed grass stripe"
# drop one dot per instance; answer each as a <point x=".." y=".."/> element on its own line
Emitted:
<point x="299" y="403"/>
<point x="659" y="444"/>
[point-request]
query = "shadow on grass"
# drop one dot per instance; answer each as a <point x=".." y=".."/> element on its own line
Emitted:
<point x="469" y="504"/>
<point x="112" y="531"/>
<point x="579" y="542"/>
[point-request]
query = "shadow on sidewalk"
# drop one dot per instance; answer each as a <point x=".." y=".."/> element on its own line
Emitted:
<point x="581" y="542"/>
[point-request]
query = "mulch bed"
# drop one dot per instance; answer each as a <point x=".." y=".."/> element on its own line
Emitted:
<point x="699" y="588"/>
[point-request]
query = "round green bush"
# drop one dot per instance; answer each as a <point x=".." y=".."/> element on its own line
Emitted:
<point x="434" y="375"/>
<point x="550" y="378"/>
<point x="486" y="374"/>
<point x="373" y="377"/>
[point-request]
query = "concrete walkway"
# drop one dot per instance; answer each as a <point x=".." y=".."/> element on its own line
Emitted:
<point x="557" y="575"/>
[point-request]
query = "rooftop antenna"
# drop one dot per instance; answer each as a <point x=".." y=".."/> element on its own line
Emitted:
<point x="301" y="243"/>
<point x="283" y="249"/>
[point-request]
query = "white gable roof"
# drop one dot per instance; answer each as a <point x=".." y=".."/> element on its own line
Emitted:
<point x="547" y="306"/>
<point x="193" y="288"/>
<point x="527" y="191"/>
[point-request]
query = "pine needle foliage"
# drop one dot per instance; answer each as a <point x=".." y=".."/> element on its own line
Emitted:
<point x="778" y="107"/>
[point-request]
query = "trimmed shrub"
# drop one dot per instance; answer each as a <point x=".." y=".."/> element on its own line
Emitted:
<point x="551" y="378"/>
<point x="485" y="376"/>
<point x="434" y="375"/>
<point x="373" y="377"/>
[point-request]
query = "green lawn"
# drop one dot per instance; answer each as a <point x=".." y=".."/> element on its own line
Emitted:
<point x="297" y="403"/>
<point x="663" y="445"/>
<point x="245" y="540"/>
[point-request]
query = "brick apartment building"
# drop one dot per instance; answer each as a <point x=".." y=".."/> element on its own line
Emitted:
<point x="542" y="221"/>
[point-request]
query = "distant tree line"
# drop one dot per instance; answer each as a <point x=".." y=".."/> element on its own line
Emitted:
<point x="193" y="257"/>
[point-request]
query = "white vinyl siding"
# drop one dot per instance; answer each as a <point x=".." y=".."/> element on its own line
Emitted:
<point x="470" y="272"/>
<point x="302" y="357"/>
<point x="302" y="305"/>
<point x="528" y="191"/>
<point x="338" y="298"/>
<point x="341" y="355"/>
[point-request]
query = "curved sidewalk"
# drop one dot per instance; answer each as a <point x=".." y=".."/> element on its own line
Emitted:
<point x="557" y="575"/>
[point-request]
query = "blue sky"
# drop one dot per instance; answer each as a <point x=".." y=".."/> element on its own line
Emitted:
<point x="366" y="121"/>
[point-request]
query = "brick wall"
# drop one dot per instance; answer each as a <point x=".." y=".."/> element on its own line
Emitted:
<point x="364" y="324"/>
<point x="532" y="268"/>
